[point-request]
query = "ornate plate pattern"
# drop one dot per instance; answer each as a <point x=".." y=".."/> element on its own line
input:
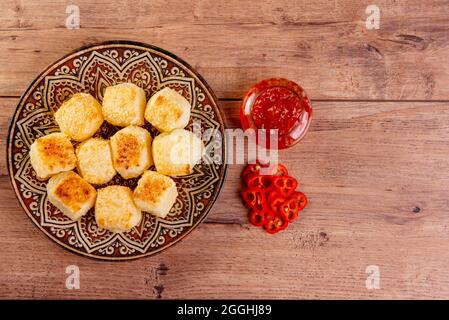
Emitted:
<point x="92" y="69"/>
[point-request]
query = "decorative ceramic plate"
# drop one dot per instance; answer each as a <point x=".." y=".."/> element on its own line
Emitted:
<point x="92" y="69"/>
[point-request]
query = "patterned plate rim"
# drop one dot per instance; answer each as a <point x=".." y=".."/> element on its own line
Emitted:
<point x="89" y="47"/>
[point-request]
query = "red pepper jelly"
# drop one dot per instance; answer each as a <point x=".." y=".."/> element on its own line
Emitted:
<point x="278" y="104"/>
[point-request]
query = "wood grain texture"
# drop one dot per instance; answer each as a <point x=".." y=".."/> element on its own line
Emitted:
<point x="366" y="167"/>
<point x="376" y="172"/>
<point x="324" y="45"/>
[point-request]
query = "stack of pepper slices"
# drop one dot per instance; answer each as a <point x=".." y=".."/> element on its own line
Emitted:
<point x="272" y="199"/>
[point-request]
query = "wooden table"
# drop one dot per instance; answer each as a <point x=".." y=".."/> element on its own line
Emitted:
<point x="375" y="163"/>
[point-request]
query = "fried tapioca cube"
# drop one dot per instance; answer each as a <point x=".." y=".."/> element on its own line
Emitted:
<point x="115" y="209"/>
<point x="124" y="105"/>
<point x="177" y="152"/>
<point x="168" y="110"/>
<point x="155" y="193"/>
<point x="131" y="151"/>
<point x="71" y="194"/>
<point x="95" y="161"/>
<point x="79" y="117"/>
<point x="52" y="154"/>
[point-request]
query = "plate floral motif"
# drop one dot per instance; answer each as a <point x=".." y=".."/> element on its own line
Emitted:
<point x="92" y="69"/>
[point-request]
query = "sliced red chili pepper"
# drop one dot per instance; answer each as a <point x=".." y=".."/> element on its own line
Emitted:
<point x="268" y="215"/>
<point x="270" y="227"/>
<point x="267" y="169"/>
<point x="256" y="218"/>
<point x="259" y="181"/>
<point x="300" y="198"/>
<point x="290" y="210"/>
<point x="275" y="200"/>
<point x="280" y="170"/>
<point x="249" y="170"/>
<point x="271" y="196"/>
<point x="281" y="222"/>
<point x="285" y="185"/>
<point x="276" y="224"/>
<point x="254" y="198"/>
<point x="252" y="169"/>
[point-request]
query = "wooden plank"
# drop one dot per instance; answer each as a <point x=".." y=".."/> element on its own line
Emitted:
<point x="7" y="107"/>
<point x="322" y="256"/>
<point x="323" y="45"/>
<point x="368" y="168"/>
<point x="52" y="13"/>
<point x="376" y="173"/>
<point x="385" y="157"/>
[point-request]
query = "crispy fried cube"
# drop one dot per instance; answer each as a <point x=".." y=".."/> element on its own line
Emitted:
<point x="167" y="110"/>
<point x="68" y="192"/>
<point x="155" y="193"/>
<point x="79" y="117"/>
<point x="124" y="105"/>
<point x="95" y="161"/>
<point x="115" y="209"/>
<point x="52" y="154"/>
<point x="131" y="151"/>
<point x="177" y="152"/>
